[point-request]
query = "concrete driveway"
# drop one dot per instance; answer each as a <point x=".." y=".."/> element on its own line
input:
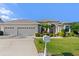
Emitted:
<point x="18" y="47"/>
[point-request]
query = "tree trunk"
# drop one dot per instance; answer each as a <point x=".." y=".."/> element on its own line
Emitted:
<point x="48" y="30"/>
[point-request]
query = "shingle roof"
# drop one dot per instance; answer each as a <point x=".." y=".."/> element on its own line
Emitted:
<point x="48" y="20"/>
<point x="21" y="22"/>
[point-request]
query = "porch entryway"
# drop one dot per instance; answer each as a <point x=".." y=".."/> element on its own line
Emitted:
<point x="51" y="29"/>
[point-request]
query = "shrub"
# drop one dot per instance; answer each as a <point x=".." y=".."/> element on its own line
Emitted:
<point x="1" y="33"/>
<point x="67" y="34"/>
<point x="71" y="34"/>
<point x="61" y="33"/>
<point x="46" y="34"/>
<point x="37" y="34"/>
<point x="54" y="35"/>
<point x="51" y="34"/>
<point x="41" y="35"/>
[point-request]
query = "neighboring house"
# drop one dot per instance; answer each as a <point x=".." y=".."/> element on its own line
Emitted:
<point x="29" y="28"/>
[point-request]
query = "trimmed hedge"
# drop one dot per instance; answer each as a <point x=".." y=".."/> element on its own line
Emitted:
<point x="41" y="34"/>
<point x="37" y="34"/>
<point x="51" y="34"/>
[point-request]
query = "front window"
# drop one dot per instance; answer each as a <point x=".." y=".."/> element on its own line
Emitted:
<point x="67" y="28"/>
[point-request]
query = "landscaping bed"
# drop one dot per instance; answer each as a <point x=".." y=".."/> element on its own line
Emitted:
<point x="67" y="46"/>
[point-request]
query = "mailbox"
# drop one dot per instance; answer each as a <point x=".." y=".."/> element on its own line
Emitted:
<point x="46" y="38"/>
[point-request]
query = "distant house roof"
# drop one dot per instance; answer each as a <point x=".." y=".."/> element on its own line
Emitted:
<point x="20" y="22"/>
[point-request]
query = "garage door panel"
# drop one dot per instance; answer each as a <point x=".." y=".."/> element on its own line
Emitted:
<point x="26" y="31"/>
<point x="9" y="31"/>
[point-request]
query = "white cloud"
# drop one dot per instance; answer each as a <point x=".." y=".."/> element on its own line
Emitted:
<point x="5" y="11"/>
<point x="5" y="17"/>
<point x="6" y="14"/>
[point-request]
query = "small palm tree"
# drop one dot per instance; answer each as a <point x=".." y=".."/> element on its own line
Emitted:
<point x="46" y="27"/>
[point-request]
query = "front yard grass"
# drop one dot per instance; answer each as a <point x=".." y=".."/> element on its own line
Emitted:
<point x="67" y="46"/>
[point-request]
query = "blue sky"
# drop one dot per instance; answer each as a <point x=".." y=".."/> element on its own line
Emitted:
<point x="63" y="11"/>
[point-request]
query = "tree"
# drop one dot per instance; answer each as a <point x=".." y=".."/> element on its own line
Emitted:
<point x="46" y="27"/>
<point x="75" y="27"/>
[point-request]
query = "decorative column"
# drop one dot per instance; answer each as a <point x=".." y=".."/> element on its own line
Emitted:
<point x="2" y="28"/>
<point x="48" y="30"/>
<point x="56" y="29"/>
<point x="69" y="29"/>
<point x="39" y="28"/>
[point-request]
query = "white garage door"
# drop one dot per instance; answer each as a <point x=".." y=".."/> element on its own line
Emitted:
<point x="26" y="31"/>
<point x="9" y="31"/>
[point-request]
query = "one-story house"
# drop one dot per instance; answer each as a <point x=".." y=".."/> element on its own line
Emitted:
<point x="22" y="27"/>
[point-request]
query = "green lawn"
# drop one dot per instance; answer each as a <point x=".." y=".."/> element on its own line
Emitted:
<point x="62" y="46"/>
